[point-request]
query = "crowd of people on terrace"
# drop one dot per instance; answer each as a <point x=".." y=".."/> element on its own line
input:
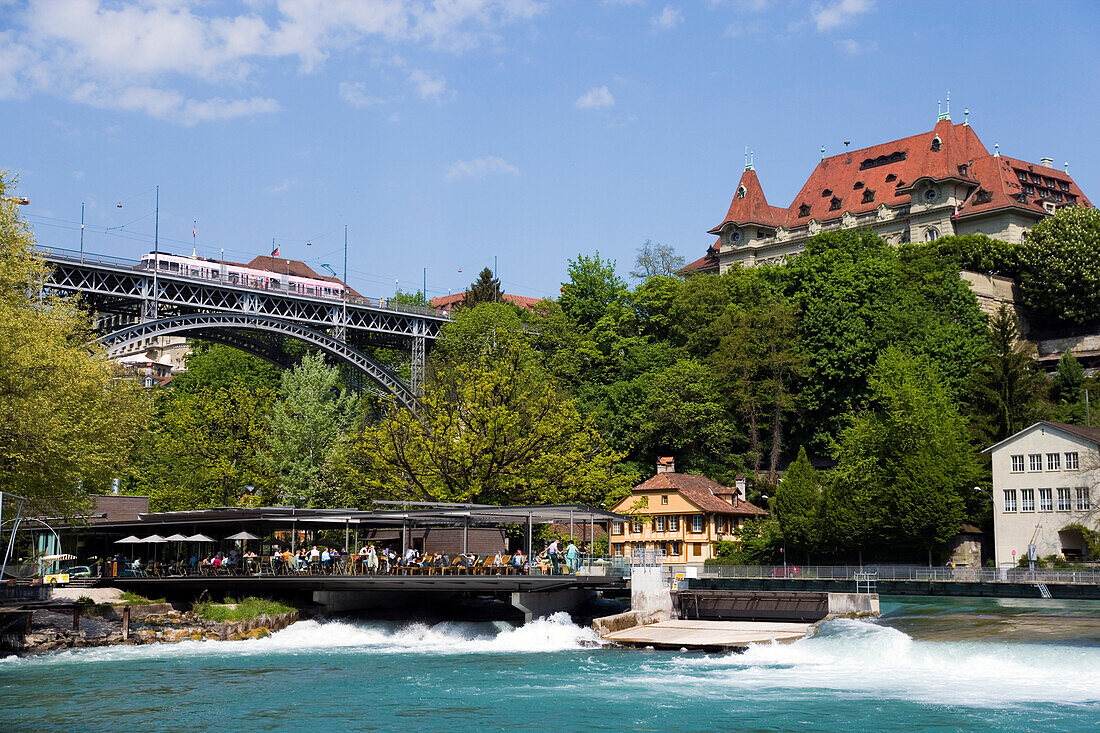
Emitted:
<point x="370" y="560"/>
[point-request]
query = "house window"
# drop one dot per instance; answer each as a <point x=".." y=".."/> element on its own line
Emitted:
<point x="931" y="234"/>
<point x="696" y="523"/>
<point x="1021" y="175"/>
<point x="868" y="196"/>
<point x="1063" y="500"/>
<point x="659" y="524"/>
<point x="1017" y="464"/>
<point x="616" y="528"/>
<point x="1046" y="500"/>
<point x="859" y="185"/>
<point x="963" y="169"/>
<point x="1027" y="500"/>
<point x="636" y="526"/>
<point x="803" y="210"/>
<point x="936" y="143"/>
<point x="1035" y="462"/>
<point x="891" y="177"/>
<point x="740" y="192"/>
<point x="983" y="196"/>
<point x="826" y="193"/>
<point x="674" y="523"/>
<point x="673" y="548"/>
<point x="834" y="204"/>
<point x="1054" y="461"/>
<point x="664" y="498"/>
<point x="1010" y="500"/>
<point x="1064" y="185"/>
<point x="720" y="525"/>
<point x="1071" y="461"/>
<point x="1083" y="502"/>
<point x="697" y="549"/>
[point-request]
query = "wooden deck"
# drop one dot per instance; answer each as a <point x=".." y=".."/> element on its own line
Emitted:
<point x="709" y="635"/>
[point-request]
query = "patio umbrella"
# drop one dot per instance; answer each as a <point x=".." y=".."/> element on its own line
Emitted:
<point x="242" y="536"/>
<point x="199" y="538"/>
<point x="177" y="537"/>
<point x="131" y="540"/>
<point x="154" y="539"/>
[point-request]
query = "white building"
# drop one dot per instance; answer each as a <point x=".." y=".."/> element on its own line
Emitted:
<point x="1044" y="480"/>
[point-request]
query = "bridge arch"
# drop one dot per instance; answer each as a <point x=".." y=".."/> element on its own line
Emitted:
<point x="226" y="327"/>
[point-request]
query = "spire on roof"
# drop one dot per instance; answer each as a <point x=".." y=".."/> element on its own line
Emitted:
<point x="966" y="117"/>
<point x="823" y="152"/>
<point x="748" y="161"/>
<point x="941" y="113"/>
<point x="996" y="150"/>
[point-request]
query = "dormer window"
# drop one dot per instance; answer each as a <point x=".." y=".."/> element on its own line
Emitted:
<point x="834" y="205"/>
<point x="740" y="192"/>
<point x="963" y="169"/>
<point x="891" y="177"/>
<point x="859" y="185"/>
<point x="936" y="143"/>
<point x="826" y="193"/>
<point x="868" y="196"/>
<point x="983" y="196"/>
<point x="803" y="210"/>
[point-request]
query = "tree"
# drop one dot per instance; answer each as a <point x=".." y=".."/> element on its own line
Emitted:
<point x="1067" y="390"/>
<point x="1060" y="265"/>
<point x="494" y="429"/>
<point x="209" y="448"/>
<point x="593" y="287"/>
<point x="486" y="289"/>
<point x="911" y="449"/>
<point x="656" y="260"/>
<point x="1006" y="384"/>
<point x="411" y="298"/>
<point x="218" y="365"/>
<point x="68" y="415"/>
<point x="305" y="428"/>
<point x="796" y="504"/>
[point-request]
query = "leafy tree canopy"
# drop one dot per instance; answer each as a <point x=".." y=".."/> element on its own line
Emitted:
<point x="486" y="289"/>
<point x="592" y="289"/>
<point x="1060" y="265"/>
<point x="656" y="260"/>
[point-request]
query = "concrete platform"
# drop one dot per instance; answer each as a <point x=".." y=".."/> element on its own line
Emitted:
<point x="709" y="635"/>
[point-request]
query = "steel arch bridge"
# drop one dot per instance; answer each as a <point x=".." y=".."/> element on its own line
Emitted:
<point x="226" y="327"/>
<point x="133" y="303"/>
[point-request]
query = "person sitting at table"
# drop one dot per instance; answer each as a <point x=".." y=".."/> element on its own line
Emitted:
<point x="519" y="560"/>
<point x="372" y="559"/>
<point x="498" y="560"/>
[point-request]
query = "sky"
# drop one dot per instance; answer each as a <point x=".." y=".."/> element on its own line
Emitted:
<point x="449" y="135"/>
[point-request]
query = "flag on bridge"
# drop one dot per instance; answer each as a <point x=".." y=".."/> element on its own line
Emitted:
<point x="275" y="252"/>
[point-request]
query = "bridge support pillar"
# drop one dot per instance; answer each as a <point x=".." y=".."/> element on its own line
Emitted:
<point x="540" y="604"/>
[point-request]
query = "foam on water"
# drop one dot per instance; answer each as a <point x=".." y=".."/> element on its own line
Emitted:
<point x="552" y="634"/>
<point x="864" y="659"/>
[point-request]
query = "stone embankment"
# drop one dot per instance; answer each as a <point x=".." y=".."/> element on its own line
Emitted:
<point x="102" y="625"/>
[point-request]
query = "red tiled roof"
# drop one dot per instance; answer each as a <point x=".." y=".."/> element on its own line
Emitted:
<point x="858" y="179"/>
<point x="708" y="262"/>
<point x="457" y="300"/>
<point x="701" y="492"/>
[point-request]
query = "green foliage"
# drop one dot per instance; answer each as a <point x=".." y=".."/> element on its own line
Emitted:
<point x="593" y="288"/>
<point x="68" y="415"/>
<point x="212" y="365"/>
<point x="976" y="252"/>
<point x="1060" y="265"/>
<point x="245" y="609"/>
<point x="1089" y="535"/>
<point x="305" y="428"/>
<point x="137" y="600"/>
<point x="910" y="451"/>
<point x="1006" y="385"/>
<point x="656" y="260"/>
<point x="486" y="289"/>
<point x="411" y="298"/>
<point x="759" y="542"/>
<point x="797" y="503"/>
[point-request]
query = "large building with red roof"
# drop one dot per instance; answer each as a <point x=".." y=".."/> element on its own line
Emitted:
<point x="919" y="188"/>
<point x="448" y="303"/>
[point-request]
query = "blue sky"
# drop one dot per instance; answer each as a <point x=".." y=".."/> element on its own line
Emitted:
<point x="446" y="133"/>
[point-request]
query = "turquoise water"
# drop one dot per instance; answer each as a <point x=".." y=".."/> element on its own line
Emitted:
<point x="552" y="676"/>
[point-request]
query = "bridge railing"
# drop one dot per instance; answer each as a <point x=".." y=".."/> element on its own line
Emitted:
<point x="901" y="572"/>
<point x="74" y="256"/>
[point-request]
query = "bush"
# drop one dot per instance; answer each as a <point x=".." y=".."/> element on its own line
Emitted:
<point x="978" y="253"/>
<point x="135" y="600"/>
<point x="244" y="610"/>
<point x="1060" y="266"/>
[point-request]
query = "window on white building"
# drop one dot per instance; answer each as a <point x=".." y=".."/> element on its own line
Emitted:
<point x="1027" y="500"/>
<point x="659" y="524"/>
<point x="1017" y="464"/>
<point x="1035" y="462"/>
<point x="1054" y="461"/>
<point x="1071" y="461"/>
<point x="1063" y="500"/>
<point x="1046" y="500"/>
<point x="1083" y="502"/>
<point x="696" y="522"/>
<point x="1010" y="500"/>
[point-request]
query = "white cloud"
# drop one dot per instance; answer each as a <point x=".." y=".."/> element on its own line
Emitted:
<point x="852" y="47"/>
<point x="595" y="98"/>
<point x="430" y="86"/>
<point x="480" y="168"/>
<point x="667" y="19"/>
<point x="130" y="55"/>
<point x="277" y="189"/>
<point x="838" y="13"/>
<point x="355" y="94"/>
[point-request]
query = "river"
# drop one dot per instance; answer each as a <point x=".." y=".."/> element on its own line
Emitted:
<point x="927" y="664"/>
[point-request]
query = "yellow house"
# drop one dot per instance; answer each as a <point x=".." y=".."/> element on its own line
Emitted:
<point x="680" y="513"/>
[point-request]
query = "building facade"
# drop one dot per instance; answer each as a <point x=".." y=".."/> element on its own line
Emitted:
<point x="941" y="182"/>
<point x="1044" y="482"/>
<point x="681" y="515"/>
